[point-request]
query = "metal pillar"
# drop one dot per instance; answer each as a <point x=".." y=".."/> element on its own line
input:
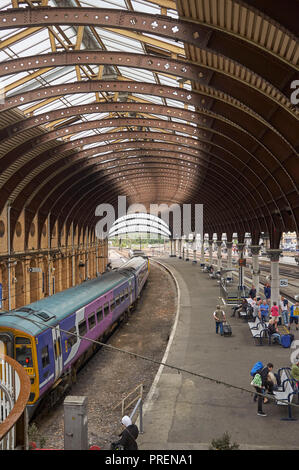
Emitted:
<point x="180" y="248"/>
<point x="240" y="247"/>
<point x="219" y="255"/>
<point x="274" y="254"/>
<point x="211" y="251"/>
<point x="255" y="251"/>
<point x="202" y="252"/>
<point x="75" y="423"/>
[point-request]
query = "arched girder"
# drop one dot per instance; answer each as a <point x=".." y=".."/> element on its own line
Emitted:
<point x="23" y="197"/>
<point x="89" y="216"/>
<point x="126" y="154"/>
<point x="179" y="94"/>
<point x="267" y="97"/>
<point x="187" y="30"/>
<point x="151" y="145"/>
<point x="74" y="143"/>
<point x="129" y="107"/>
<point x="81" y="187"/>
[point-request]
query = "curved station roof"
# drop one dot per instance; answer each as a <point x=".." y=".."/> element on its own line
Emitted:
<point x="162" y="101"/>
<point x="139" y="223"/>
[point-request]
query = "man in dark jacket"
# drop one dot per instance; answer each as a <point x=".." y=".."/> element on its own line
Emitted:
<point x="252" y="292"/>
<point x="266" y="385"/>
<point x="129" y="435"/>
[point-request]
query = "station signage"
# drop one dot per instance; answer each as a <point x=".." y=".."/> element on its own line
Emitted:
<point x="283" y="283"/>
<point x="242" y="262"/>
<point x="34" y="270"/>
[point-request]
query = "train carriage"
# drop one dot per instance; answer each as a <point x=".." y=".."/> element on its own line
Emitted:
<point x="51" y="337"/>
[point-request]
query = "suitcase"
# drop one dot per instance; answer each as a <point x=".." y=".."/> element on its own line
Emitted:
<point x="227" y="329"/>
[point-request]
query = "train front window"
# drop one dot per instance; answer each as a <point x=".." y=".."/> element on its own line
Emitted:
<point x="23" y="351"/>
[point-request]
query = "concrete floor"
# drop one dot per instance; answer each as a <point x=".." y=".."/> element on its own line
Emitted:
<point x="187" y="412"/>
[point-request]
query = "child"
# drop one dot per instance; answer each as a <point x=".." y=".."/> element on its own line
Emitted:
<point x="275" y="312"/>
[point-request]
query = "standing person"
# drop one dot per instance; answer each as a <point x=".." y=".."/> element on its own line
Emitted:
<point x="267" y="291"/>
<point x="294" y="314"/>
<point x="295" y="372"/>
<point x="219" y="316"/>
<point x="264" y="311"/>
<point x="128" y="436"/>
<point x="263" y="384"/>
<point x="284" y="311"/>
<point x="275" y="312"/>
<point x="256" y="308"/>
<point x="252" y="292"/>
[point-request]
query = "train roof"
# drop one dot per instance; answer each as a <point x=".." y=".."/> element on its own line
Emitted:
<point x="44" y="313"/>
<point x="132" y="263"/>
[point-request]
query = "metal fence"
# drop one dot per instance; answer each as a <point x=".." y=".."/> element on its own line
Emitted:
<point x="14" y="394"/>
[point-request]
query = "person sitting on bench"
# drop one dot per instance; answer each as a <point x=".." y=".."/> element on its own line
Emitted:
<point x="240" y="308"/>
<point x="273" y="331"/>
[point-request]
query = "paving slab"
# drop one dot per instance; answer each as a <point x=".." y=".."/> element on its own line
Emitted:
<point x="187" y="412"/>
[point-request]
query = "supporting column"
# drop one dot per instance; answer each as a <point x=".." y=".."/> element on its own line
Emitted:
<point x="240" y="247"/>
<point x="194" y="251"/>
<point x="219" y="255"/>
<point x="229" y="246"/>
<point x="255" y="251"/>
<point x="211" y="251"/>
<point x="274" y="254"/>
<point x="180" y="248"/>
<point x="171" y="248"/>
<point x="187" y="250"/>
<point x="202" y="253"/>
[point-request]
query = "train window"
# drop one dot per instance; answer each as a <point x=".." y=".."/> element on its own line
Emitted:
<point x="106" y="309"/>
<point x="82" y="328"/>
<point x="112" y="305"/>
<point x="20" y="340"/>
<point x="45" y="356"/>
<point x="117" y="300"/>
<point x="99" y="314"/>
<point x="91" y="321"/>
<point x="72" y="338"/>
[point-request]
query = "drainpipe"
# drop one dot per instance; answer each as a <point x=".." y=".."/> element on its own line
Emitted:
<point x="9" y="253"/>
<point x="49" y="261"/>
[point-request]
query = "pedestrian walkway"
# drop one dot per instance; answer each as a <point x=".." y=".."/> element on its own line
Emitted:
<point x="187" y="412"/>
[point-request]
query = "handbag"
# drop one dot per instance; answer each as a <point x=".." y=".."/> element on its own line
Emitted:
<point x="116" y="446"/>
<point x="257" y="381"/>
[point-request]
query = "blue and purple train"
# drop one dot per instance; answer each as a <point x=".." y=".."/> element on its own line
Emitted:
<point x="50" y="337"/>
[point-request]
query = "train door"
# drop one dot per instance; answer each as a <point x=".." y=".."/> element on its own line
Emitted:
<point x="131" y="292"/>
<point x="57" y="351"/>
<point x="6" y="344"/>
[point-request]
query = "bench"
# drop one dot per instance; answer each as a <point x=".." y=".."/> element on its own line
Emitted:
<point x="258" y="330"/>
<point x="286" y="392"/>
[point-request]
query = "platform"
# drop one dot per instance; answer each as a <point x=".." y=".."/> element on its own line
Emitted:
<point x="183" y="411"/>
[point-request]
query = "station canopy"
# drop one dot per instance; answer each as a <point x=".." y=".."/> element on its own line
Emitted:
<point x="142" y="224"/>
<point x="165" y="102"/>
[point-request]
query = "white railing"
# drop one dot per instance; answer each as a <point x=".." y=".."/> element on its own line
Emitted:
<point x="14" y="394"/>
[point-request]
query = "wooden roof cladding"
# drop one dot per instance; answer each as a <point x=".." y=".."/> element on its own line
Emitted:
<point x="244" y="160"/>
<point x="255" y="52"/>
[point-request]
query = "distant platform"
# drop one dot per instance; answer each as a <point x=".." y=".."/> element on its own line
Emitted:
<point x="184" y="411"/>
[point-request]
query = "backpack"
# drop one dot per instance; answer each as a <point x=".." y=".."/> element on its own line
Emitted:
<point x="257" y="366"/>
<point x="286" y="340"/>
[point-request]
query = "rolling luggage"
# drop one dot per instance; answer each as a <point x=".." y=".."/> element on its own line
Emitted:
<point x="227" y="329"/>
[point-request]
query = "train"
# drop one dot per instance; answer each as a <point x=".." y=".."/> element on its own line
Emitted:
<point x="53" y="337"/>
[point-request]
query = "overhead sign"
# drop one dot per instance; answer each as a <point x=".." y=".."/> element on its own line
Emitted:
<point x="283" y="283"/>
<point x="34" y="270"/>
